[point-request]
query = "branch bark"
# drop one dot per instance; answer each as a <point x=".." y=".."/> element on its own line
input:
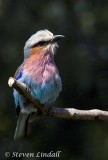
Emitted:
<point x="66" y="113"/>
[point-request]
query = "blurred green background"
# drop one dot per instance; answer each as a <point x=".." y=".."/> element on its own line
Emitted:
<point x="82" y="60"/>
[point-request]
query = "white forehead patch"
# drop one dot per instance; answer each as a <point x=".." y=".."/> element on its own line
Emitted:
<point x="42" y="35"/>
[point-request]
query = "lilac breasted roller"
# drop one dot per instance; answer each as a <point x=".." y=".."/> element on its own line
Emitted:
<point x="40" y="73"/>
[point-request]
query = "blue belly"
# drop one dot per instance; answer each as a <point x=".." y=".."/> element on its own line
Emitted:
<point x="45" y="92"/>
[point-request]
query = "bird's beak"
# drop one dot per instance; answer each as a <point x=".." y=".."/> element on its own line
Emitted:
<point x="56" y="38"/>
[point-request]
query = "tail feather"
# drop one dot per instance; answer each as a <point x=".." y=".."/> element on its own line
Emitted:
<point x="22" y="125"/>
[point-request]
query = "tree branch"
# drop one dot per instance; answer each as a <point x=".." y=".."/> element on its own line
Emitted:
<point x="66" y="113"/>
<point x="24" y="90"/>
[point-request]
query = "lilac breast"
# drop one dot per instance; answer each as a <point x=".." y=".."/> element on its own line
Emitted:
<point x="43" y="78"/>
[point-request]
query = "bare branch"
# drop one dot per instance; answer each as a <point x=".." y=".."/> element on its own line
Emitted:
<point x="72" y="113"/>
<point x="66" y="113"/>
<point x="24" y="90"/>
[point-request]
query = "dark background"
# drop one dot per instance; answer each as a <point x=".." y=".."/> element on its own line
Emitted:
<point x="82" y="60"/>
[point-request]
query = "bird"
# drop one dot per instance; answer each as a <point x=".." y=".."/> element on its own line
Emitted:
<point x="40" y="73"/>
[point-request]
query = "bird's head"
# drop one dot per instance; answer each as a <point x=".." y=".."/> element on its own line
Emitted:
<point x="42" y="40"/>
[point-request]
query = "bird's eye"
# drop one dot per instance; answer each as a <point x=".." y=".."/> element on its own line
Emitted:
<point x="41" y="44"/>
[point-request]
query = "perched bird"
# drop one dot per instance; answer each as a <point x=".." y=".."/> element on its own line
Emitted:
<point x="39" y="72"/>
